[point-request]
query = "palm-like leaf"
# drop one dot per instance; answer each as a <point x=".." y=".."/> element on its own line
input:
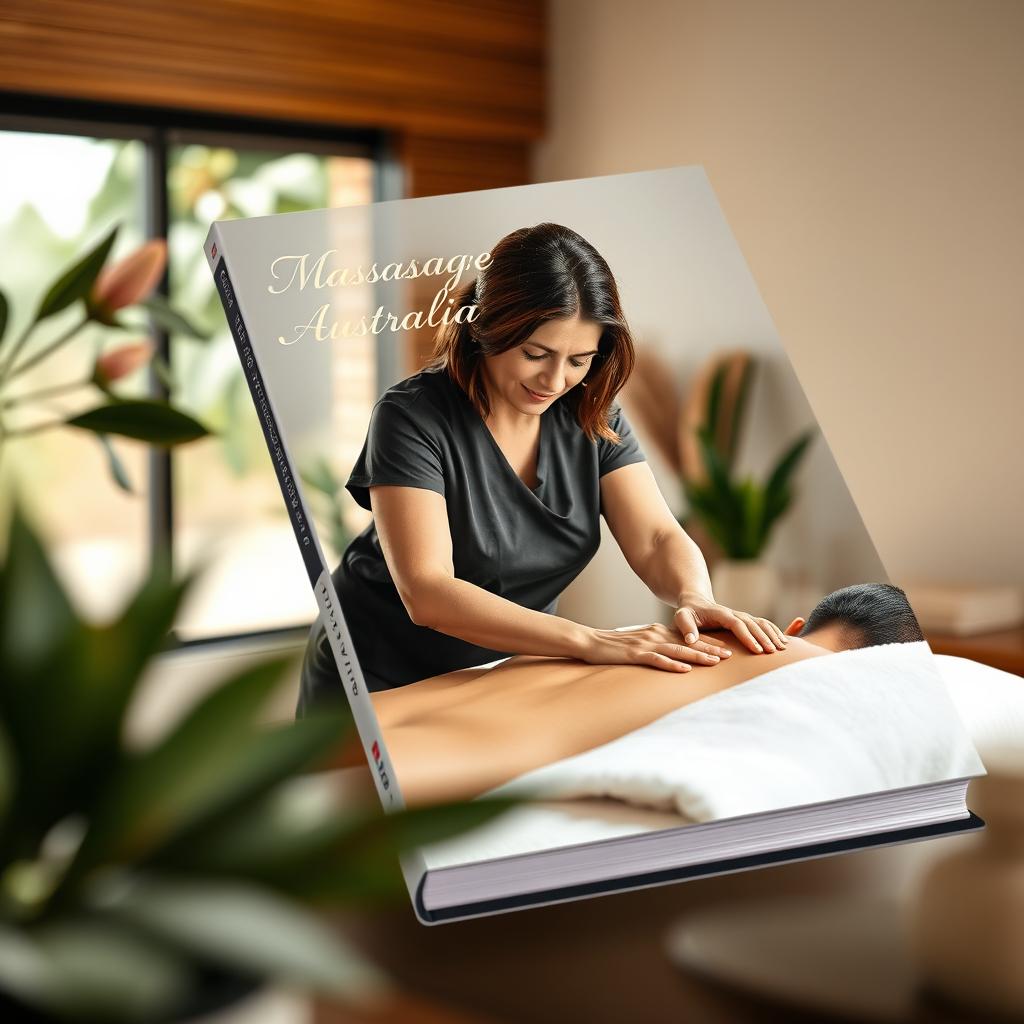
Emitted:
<point x="4" y="310"/>
<point x="74" y="283"/>
<point x="218" y="757"/>
<point x="739" y="515"/>
<point x="153" y="422"/>
<point x="715" y="400"/>
<point x="201" y="850"/>
<point x="304" y="838"/>
<point x="171" y="320"/>
<point x="738" y="410"/>
<point x="777" y="494"/>
<point x="241" y="926"/>
<point x="73" y="677"/>
<point x="92" y="970"/>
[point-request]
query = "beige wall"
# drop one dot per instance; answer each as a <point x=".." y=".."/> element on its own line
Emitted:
<point x="869" y="158"/>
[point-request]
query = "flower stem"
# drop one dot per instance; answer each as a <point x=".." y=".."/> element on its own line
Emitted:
<point x="31" y="396"/>
<point x="16" y="348"/>
<point x="42" y="354"/>
<point x="36" y="428"/>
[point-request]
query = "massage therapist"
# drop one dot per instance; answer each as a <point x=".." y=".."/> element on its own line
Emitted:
<point x="487" y="474"/>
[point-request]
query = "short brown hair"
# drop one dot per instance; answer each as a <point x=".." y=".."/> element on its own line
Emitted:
<point x="547" y="272"/>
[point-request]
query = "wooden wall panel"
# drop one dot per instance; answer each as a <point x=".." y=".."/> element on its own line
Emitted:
<point x="447" y="68"/>
<point x="439" y="166"/>
<point x="435" y="166"/>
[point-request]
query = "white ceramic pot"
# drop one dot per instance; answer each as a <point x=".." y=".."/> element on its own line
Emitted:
<point x="746" y="586"/>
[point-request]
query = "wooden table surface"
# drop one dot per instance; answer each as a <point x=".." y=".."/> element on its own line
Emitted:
<point x="601" y="960"/>
<point x="1003" y="649"/>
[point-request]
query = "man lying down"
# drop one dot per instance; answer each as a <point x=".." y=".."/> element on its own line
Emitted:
<point x="461" y="734"/>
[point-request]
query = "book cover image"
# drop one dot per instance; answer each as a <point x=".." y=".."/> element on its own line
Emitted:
<point x="549" y="385"/>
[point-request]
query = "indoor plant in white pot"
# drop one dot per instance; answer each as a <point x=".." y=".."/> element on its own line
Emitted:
<point x="739" y="513"/>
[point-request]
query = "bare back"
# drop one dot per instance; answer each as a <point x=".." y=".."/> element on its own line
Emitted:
<point x="462" y="733"/>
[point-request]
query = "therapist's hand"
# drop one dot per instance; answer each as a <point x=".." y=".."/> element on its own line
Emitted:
<point x="656" y="646"/>
<point x="697" y="612"/>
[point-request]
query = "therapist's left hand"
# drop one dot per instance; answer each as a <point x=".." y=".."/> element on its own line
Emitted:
<point x="697" y="612"/>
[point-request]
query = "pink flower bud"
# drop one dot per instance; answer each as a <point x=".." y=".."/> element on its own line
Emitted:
<point x="131" y="279"/>
<point x="122" y="361"/>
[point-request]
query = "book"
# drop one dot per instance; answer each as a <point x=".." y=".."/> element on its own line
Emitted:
<point x="534" y="308"/>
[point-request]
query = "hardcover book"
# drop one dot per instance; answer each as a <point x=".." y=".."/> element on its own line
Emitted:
<point x="510" y="427"/>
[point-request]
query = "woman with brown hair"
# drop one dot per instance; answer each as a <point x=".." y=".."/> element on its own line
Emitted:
<point x="487" y="474"/>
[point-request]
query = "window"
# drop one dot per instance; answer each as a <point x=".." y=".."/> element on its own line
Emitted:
<point x="215" y="503"/>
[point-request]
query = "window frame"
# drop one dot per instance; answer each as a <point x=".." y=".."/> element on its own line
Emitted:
<point x="159" y="129"/>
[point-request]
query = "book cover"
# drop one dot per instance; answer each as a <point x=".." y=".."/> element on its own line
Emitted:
<point x="569" y="434"/>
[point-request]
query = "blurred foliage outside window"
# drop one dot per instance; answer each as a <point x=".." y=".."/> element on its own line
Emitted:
<point x="63" y="193"/>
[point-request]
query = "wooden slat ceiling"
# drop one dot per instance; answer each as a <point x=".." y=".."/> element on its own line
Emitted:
<point x="443" y="68"/>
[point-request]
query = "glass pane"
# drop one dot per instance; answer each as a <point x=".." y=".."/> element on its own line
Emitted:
<point x="61" y="196"/>
<point x="229" y="515"/>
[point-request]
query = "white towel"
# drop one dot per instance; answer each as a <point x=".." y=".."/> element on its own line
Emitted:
<point x="854" y="723"/>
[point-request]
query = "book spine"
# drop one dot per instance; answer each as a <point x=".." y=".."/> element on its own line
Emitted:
<point x="297" y="516"/>
<point x="323" y="586"/>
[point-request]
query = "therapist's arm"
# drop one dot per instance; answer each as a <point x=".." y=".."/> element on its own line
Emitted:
<point x="664" y="556"/>
<point x="412" y="524"/>
<point x="656" y="547"/>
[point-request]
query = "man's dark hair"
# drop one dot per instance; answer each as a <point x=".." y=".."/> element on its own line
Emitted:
<point x="868" y="614"/>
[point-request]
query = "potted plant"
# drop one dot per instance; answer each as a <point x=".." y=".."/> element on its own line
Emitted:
<point x="153" y="883"/>
<point x="739" y="513"/>
<point x="144" y="884"/>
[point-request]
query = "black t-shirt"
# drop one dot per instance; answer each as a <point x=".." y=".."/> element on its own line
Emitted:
<point x="521" y="544"/>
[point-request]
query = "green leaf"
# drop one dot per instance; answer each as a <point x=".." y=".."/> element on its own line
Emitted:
<point x="162" y="370"/>
<point x="214" y="761"/>
<point x="321" y="477"/>
<point x="4" y="310"/>
<point x="754" y="532"/>
<point x="115" y="657"/>
<point x="26" y="973"/>
<point x="35" y="612"/>
<point x="247" y="928"/>
<point x="789" y="461"/>
<point x="715" y="400"/>
<point x="709" y="511"/>
<point x="116" y="466"/>
<point x="738" y="412"/>
<point x="6" y="773"/>
<point x="297" y="820"/>
<point x="92" y="970"/>
<point x="170" y="320"/>
<point x="728" y="502"/>
<point x="76" y="282"/>
<point x="74" y="677"/>
<point x="422" y="826"/>
<point x="776" y="504"/>
<point x="777" y="490"/>
<point x="155" y="423"/>
<point x="718" y="473"/>
<point x="367" y="854"/>
<point x="304" y="838"/>
<point x="236" y="435"/>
